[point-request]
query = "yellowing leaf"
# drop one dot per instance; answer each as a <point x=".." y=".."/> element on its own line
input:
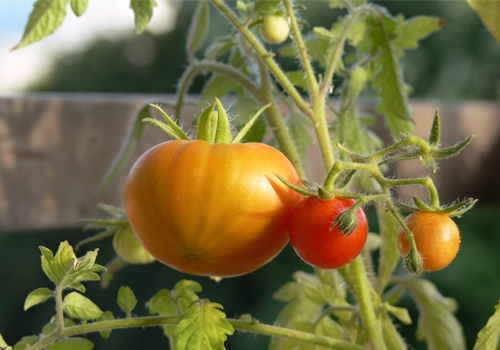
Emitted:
<point x="489" y="11"/>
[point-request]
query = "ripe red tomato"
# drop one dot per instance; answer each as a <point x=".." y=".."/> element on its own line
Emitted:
<point x="313" y="240"/>
<point x="211" y="209"/>
<point x="436" y="236"/>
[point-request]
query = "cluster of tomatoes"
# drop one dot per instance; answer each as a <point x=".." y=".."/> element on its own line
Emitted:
<point x="218" y="209"/>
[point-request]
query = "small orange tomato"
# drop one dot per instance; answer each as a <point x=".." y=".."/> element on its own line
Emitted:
<point x="211" y="209"/>
<point x="436" y="236"/>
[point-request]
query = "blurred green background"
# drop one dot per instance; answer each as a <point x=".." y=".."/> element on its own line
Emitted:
<point x="458" y="63"/>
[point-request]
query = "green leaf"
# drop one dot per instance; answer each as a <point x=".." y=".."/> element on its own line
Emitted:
<point x="298" y="78"/>
<point x="217" y="86"/>
<point x="266" y="7"/>
<point x="126" y="299"/>
<point x="52" y="326"/>
<point x="409" y="32"/>
<point x="46" y="17"/>
<point x="436" y="323"/>
<point x="37" y="296"/>
<point x="134" y="134"/>
<point x="75" y="343"/>
<point x="108" y="316"/>
<point x="199" y="27"/>
<point x="26" y="342"/>
<point x="287" y="292"/>
<point x="324" y="33"/>
<point x="202" y="326"/>
<point x="79" y="306"/>
<point x="489" y="11"/>
<point x="389" y="253"/>
<point x="143" y="12"/>
<point x="158" y="301"/>
<point x="3" y="344"/>
<point x="79" y="6"/>
<point x="298" y="126"/>
<point x="359" y="138"/>
<point x="55" y="267"/>
<point x="401" y="313"/>
<point x="488" y="338"/>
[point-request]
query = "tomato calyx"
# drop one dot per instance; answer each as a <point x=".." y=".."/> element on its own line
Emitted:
<point x="457" y="209"/>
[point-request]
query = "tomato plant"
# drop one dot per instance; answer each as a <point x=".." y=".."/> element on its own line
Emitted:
<point x="218" y="207"/>
<point x="436" y="236"/>
<point x="317" y="242"/>
<point x="275" y="29"/>
<point x="211" y="209"/>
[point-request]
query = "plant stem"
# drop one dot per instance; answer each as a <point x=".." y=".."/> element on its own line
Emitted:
<point x="276" y="121"/>
<point x="362" y="291"/>
<point x="59" y="311"/>
<point x="313" y="84"/>
<point x="266" y="56"/>
<point x="247" y="326"/>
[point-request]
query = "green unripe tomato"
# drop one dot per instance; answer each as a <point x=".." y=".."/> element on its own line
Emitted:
<point x="128" y="247"/>
<point x="275" y="29"/>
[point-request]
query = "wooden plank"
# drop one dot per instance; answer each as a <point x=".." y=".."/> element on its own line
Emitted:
<point x="55" y="148"/>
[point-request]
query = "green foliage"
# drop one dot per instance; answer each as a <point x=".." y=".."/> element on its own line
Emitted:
<point x="143" y="12"/>
<point x="3" y="344"/>
<point x="81" y="307"/>
<point x="74" y="343"/>
<point x="202" y="326"/>
<point x="79" y="6"/>
<point x="26" y="342"/>
<point x="37" y="296"/>
<point x="489" y="337"/>
<point x="199" y="27"/>
<point x="126" y="300"/>
<point x="46" y="17"/>
<point x="489" y="11"/>
<point x="436" y="324"/>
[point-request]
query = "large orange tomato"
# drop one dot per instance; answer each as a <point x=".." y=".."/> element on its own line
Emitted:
<point x="211" y="209"/>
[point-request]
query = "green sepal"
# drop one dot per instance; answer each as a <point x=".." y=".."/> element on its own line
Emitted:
<point x="104" y="234"/>
<point x="223" y="133"/>
<point x="298" y="189"/>
<point x="400" y="157"/>
<point x="414" y="262"/>
<point x="324" y="194"/>
<point x="347" y="220"/>
<point x="421" y="205"/>
<point x="435" y="136"/>
<point x="451" y="151"/>
<point x="345" y="180"/>
<point x="248" y="125"/>
<point x="459" y="208"/>
<point x="428" y="161"/>
<point x="177" y="131"/>
<point x="205" y="123"/>
<point x="406" y="206"/>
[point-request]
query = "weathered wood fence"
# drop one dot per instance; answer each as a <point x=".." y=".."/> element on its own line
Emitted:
<point x="55" y="148"/>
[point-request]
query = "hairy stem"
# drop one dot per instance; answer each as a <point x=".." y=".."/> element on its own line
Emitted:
<point x="247" y="326"/>
<point x="362" y="291"/>
<point x="266" y="56"/>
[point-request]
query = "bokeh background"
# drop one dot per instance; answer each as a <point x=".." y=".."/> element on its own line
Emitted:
<point x="89" y="55"/>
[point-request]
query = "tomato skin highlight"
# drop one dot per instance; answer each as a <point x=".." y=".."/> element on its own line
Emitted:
<point x="314" y="242"/>
<point x="437" y="238"/>
<point x="211" y="209"/>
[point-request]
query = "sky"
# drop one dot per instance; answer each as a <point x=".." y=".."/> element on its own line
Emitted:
<point x="103" y="18"/>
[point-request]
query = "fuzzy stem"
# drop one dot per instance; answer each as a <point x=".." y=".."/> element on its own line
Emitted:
<point x="362" y="291"/>
<point x="266" y="56"/>
<point x="59" y="310"/>
<point x="247" y="326"/>
<point x="276" y="121"/>
<point x="313" y="84"/>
